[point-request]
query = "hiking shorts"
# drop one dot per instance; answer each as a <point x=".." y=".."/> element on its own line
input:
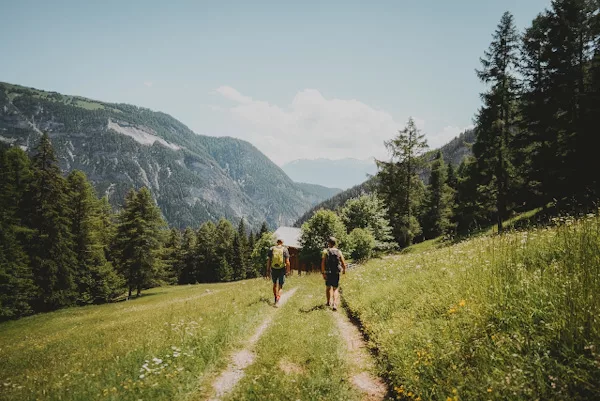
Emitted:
<point x="332" y="280"/>
<point x="278" y="275"/>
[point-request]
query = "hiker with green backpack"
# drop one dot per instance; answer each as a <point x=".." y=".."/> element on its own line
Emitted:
<point x="332" y="264"/>
<point x="278" y="267"/>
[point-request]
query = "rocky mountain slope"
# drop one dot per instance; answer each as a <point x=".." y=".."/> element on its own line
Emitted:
<point x="193" y="178"/>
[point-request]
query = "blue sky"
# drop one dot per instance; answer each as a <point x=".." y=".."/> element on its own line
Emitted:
<point x="301" y="79"/>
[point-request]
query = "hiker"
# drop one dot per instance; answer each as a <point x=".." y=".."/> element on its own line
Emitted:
<point x="332" y="263"/>
<point x="278" y="267"/>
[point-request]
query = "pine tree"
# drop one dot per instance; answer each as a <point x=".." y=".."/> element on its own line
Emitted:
<point x="251" y="271"/>
<point x="473" y="204"/>
<point x="206" y="253"/>
<point x="188" y="264"/>
<point x="172" y="256"/>
<point x="50" y="249"/>
<point x="538" y="140"/>
<point x="239" y="257"/>
<point x="399" y="184"/>
<point x="138" y="240"/>
<point x="437" y="204"/>
<point x="496" y="119"/>
<point x="225" y="272"/>
<point x="570" y="38"/>
<point x="263" y="229"/>
<point x="224" y="240"/>
<point x="17" y="290"/>
<point x="86" y="225"/>
<point x="452" y="180"/>
<point x="241" y="252"/>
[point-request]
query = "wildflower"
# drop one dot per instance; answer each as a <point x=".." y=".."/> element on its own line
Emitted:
<point x="489" y="390"/>
<point x="142" y="376"/>
<point x="452" y="310"/>
<point x="462" y="303"/>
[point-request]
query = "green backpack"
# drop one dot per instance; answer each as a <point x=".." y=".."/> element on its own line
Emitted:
<point x="277" y="259"/>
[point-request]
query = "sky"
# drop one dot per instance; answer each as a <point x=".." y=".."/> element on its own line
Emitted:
<point x="302" y="79"/>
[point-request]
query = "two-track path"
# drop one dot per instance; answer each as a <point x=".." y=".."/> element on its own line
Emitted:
<point x="360" y="364"/>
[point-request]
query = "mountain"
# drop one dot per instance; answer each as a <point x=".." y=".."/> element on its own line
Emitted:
<point x="193" y="178"/>
<point x="453" y="153"/>
<point x="319" y="190"/>
<point x="343" y="173"/>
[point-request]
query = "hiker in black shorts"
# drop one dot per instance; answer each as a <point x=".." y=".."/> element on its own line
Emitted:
<point x="332" y="264"/>
<point x="278" y="267"/>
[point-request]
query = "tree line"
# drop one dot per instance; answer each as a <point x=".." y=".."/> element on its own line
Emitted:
<point x="61" y="245"/>
<point x="533" y="133"/>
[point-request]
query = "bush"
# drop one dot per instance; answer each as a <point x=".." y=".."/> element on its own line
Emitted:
<point x="362" y="243"/>
<point x="317" y="230"/>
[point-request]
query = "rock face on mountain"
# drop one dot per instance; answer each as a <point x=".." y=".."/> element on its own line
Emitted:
<point x="193" y="178"/>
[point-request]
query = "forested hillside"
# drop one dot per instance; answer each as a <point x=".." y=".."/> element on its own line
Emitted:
<point x="454" y="152"/>
<point x="194" y="178"/>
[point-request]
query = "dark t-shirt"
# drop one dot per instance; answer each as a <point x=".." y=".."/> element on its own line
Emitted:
<point x="286" y="254"/>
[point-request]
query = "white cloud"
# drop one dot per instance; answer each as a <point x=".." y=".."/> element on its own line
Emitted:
<point x="149" y="84"/>
<point x="232" y="94"/>
<point x="312" y="126"/>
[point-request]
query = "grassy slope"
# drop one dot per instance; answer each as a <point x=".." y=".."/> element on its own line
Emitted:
<point x="85" y="353"/>
<point x="496" y="317"/>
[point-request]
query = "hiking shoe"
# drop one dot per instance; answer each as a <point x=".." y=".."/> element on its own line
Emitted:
<point x="334" y="307"/>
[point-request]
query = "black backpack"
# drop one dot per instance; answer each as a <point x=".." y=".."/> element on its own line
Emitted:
<point x="333" y="263"/>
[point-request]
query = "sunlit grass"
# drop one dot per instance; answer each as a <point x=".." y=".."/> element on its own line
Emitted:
<point x="500" y="317"/>
<point x="302" y="356"/>
<point x="161" y="346"/>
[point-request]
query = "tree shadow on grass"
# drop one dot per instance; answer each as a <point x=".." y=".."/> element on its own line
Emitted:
<point x="262" y="299"/>
<point x="124" y="298"/>
<point x="313" y="309"/>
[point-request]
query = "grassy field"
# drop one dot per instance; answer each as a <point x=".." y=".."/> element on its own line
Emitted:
<point x="506" y="317"/>
<point x="163" y="345"/>
<point x="493" y="318"/>
<point x="171" y="344"/>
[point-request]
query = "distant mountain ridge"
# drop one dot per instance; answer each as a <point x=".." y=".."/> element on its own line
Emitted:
<point x="342" y="173"/>
<point x="454" y="152"/>
<point x="193" y="178"/>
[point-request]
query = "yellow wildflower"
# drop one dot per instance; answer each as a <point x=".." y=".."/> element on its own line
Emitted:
<point x="462" y="303"/>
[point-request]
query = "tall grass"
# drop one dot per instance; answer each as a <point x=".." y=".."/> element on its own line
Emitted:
<point x="502" y="317"/>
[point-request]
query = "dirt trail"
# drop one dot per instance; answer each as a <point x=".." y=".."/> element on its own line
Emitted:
<point x="360" y="360"/>
<point x="243" y="358"/>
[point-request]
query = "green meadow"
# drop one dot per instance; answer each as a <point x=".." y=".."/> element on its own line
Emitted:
<point x="507" y="317"/>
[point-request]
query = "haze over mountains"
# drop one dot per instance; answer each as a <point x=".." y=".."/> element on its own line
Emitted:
<point x="342" y="173"/>
<point x="194" y="178"/>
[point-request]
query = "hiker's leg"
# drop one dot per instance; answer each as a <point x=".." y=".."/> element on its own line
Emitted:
<point x="336" y="296"/>
<point x="328" y="294"/>
<point x="281" y="283"/>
